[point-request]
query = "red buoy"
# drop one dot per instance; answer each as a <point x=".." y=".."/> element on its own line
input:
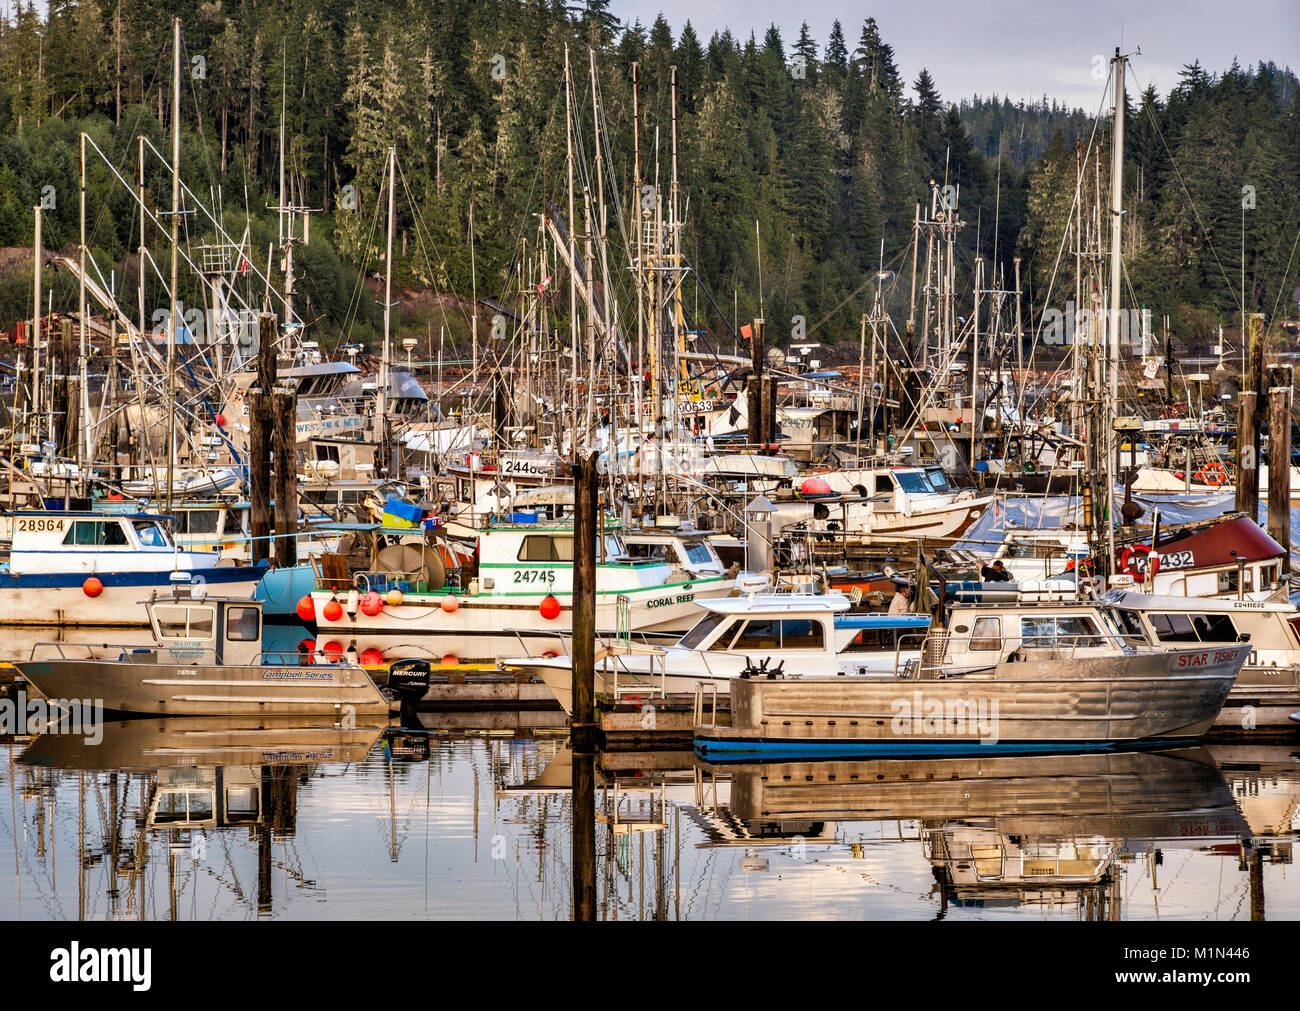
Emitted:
<point x="372" y="657"/>
<point x="92" y="587"/>
<point x="450" y="660"/>
<point x="333" y="650"/>
<point x="371" y="603"/>
<point x="549" y="608"/>
<point x="305" y="650"/>
<point x="221" y="421"/>
<point x="307" y="608"/>
<point x="333" y="611"/>
<point x="450" y="604"/>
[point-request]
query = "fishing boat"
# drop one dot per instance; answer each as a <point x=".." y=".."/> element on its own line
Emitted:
<point x="207" y="660"/>
<point x="1023" y="676"/>
<point x="431" y="598"/>
<point x="1267" y="691"/>
<point x="816" y="633"/>
<point x="91" y="568"/>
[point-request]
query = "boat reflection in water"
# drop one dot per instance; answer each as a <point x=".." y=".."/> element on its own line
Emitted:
<point x="1050" y="831"/>
<point x="193" y="779"/>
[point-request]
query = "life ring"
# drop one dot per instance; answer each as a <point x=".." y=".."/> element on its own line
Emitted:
<point x="1128" y="562"/>
<point x="1207" y="474"/>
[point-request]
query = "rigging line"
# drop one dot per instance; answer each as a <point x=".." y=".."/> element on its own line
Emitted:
<point x="1205" y="232"/>
<point x="1282" y="283"/>
<point x="419" y="223"/>
<point x="353" y="309"/>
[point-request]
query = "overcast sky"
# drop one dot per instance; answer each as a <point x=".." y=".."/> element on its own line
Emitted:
<point x="1021" y="48"/>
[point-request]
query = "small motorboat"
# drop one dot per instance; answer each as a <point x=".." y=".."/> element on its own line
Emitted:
<point x="207" y="660"/>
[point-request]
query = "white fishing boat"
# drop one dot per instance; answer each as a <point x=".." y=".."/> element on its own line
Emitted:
<point x="1028" y="676"/>
<point x="434" y="599"/>
<point x="92" y="568"/>
<point x="815" y="634"/>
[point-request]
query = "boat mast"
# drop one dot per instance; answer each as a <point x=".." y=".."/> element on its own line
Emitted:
<point x="382" y="398"/>
<point x="1116" y="233"/>
<point x="176" y="213"/>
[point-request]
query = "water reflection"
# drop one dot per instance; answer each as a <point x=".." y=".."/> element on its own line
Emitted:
<point x="473" y="816"/>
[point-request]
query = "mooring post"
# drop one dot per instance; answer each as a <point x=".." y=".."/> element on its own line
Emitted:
<point x="285" y="405"/>
<point x="1279" y="453"/>
<point x="757" y="405"/>
<point x="583" y="718"/>
<point x="259" y="440"/>
<point x="1250" y="415"/>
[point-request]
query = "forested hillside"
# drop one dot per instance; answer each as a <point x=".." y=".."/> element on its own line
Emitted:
<point x="817" y="138"/>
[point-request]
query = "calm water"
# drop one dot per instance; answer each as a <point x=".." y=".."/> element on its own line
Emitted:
<point x="216" y="819"/>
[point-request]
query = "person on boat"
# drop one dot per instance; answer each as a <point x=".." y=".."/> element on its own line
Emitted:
<point x="995" y="573"/>
<point x="902" y="600"/>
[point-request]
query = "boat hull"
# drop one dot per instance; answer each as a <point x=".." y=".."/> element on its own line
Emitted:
<point x="488" y="627"/>
<point x="58" y="600"/>
<point x="1102" y="702"/>
<point x="336" y="690"/>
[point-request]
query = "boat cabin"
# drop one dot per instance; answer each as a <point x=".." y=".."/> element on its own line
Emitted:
<point x="191" y="627"/>
<point x="61" y="542"/>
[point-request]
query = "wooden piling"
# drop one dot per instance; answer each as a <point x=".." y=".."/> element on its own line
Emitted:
<point x="757" y="403"/>
<point x="583" y="723"/>
<point x="1279" y="453"/>
<point x="259" y="441"/>
<point x="1250" y="416"/>
<point x="285" y="411"/>
<point x="1247" y="500"/>
<point x="584" y="600"/>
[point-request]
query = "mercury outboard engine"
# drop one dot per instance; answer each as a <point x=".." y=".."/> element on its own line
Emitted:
<point x="408" y="682"/>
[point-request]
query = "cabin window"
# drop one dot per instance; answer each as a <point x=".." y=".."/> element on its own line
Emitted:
<point x="537" y="548"/>
<point x="1267" y="575"/>
<point x="1173" y="628"/>
<point x="149" y="534"/>
<point x="1231" y="579"/>
<point x="722" y="641"/>
<point x="698" y="552"/>
<point x="700" y="631"/>
<point x="648" y="552"/>
<point x="802" y="633"/>
<point x="327" y="453"/>
<point x="92" y="533"/>
<point x="242" y="624"/>
<point x="1059" y="632"/>
<point x="1194" y="627"/>
<point x="242" y="803"/>
<point x="761" y="634"/>
<point x="937" y="480"/>
<point x="203" y="521"/>
<point x="184" y="622"/>
<point x="179" y="806"/>
<point x="884" y="486"/>
<point x="914" y="482"/>
<point x="1130" y="624"/>
<point x="987" y="635"/>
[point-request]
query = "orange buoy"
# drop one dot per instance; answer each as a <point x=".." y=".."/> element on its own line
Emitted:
<point x="333" y="611"/>
<point x="372" y="657"/>
<point x="450" y="659"/>
<point x="394" y="597"/>
<point x="450" y="604"/>
<point x="371" y="603"/>
<point x="305" y="650"/>
<point x="307" y="608"/>
<point x="549" y="608"/>
<point x="333" y="650"/>
<point x="92" y="587"/>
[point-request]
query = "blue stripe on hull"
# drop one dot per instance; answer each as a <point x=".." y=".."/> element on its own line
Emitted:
<point x="741" y="750"/>
<point x="69" y="580"/>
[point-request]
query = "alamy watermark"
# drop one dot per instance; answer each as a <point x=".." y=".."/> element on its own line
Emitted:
<point x="919" y="716"/>
<point x="68" y="717"/>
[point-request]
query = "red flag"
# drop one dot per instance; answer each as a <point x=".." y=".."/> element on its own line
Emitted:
<point x="747" y="332"/>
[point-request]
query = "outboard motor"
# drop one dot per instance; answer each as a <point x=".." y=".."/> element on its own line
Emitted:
<point x="408" y="682"/>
